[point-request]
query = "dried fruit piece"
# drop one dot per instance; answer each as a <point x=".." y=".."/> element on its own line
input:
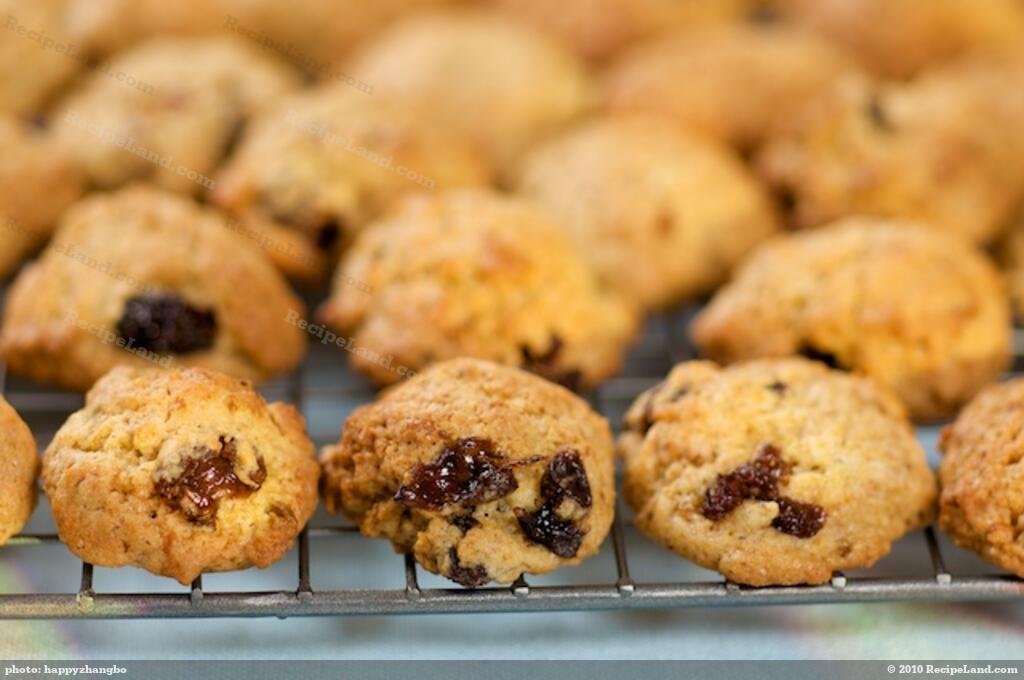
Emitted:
<point x="166" y="324"/>
<point x="466" y="472"/>
<point x="206" y="480"/>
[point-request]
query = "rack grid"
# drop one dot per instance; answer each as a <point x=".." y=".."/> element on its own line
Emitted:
<point x="324" y="386"/>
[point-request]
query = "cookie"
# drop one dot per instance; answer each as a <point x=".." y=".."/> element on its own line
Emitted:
<point x="38" y="54"/>
<point x="597" y="29"/>
<point x="898" y="38"/>
<point x="38" y="180"/>
<point x="144" y="277"/>
<point x="103" y="27"/>
<point x="314" y="171"/>
<point x="662" y="214"/>
<point x="774" y="472"/>
<point x="168" y="110"/>
<point x="925" y="150"/>
<point x="496" y="81"/>
<point x="915" y="309"/>
<point x="982" y="480"/>
<point x="19" y="466"/>
<point x="313" y="33"/>
<point x="473" y="273"/>
<point x="181" y="473"/>
<point x="742" y="81"/>
<point x="481" y="471"/>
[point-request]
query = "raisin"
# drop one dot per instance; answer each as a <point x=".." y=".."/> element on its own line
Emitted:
<point x="470" y="577"/>
<point x="205" y="481"/>
<point x="565" y="476"/>
<point x="327" y="235"/>
<point x="778" y="387"/>
<point x="544" y="527"/>
<point x="165" y="324"/>
<point x="760" y="480"/>
<point x="544" y="365"/>
<point x="464" y="522"/>
<point x="466" y="472"/>
<point x="802" y="520"/>
<point x="815" y="354"/>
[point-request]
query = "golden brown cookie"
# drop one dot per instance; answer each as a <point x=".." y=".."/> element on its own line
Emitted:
<point x="496" y="81"/>
<point x="19" y="466"/>
<point x="981" y="505"/>
<point x="168" y="110"/>
<point x="918" y="310"/>
<point x="38" y="54"/>
<point x="898" y="38"/>
<point x="927" y="150"/>
<point x="597" y="29"/>
<point x="181" y="473"/>
<point x="144" y="277"/>
<point x="774" y="472"/>
<point x="308" y="176"/>
<point x="482" y="472"/>
<point x="103" y="27"/>
<point x="662" y="214"/>
<point x="474" y="273"/>
<point x="737" y="82"/>
<point x="38" y="180"/>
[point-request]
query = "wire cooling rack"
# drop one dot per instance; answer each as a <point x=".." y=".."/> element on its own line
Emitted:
<point x="327" y="391"/>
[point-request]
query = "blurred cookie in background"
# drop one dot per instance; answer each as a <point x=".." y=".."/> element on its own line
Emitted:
<point x="38" y="54"/>
<point x="923" y="313"/>
<point x="898" y="38"/>
<point x="929" y="150"/>
<point x="310" y="174"/>
<point x="597" y="29"/>
<point x="472" y="273"/>
<point x="168" y="111"/>
<point x="737" y="82"/>
<point x="38" y="180"/>
<point x="499" y="82"/>
<point x="774" y="472"/>
<point x="143" y="277"/>
<point x="662" y="213"/>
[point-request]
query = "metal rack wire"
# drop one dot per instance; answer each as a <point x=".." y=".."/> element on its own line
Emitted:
<point x="322" y="384"/>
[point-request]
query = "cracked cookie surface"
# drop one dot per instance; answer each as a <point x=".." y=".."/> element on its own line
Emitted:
<point x="142" y="277"/>
<point x="180" y="473"/>
<point x="774" y="472"/>
<point x="475" y="273"/>
<point x="19" y="466"/>
<point x="482" y="472"/>
<point x="917" y="310"/>
<point x="981" y="504"/>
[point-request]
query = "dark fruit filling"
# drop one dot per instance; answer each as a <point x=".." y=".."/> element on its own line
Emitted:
<point x="470" y="577"/>
<point x="778" y="387"/>
<point x="466" y="472"/>
<point x="815" y="354"/>
<point x="877" y="115"/>
<point x="564" y="478"/>
<point x="760" y="480"/>
<point x="545" y="365"/>
<point x="205" y="481"/>
<point x="802" y="520"/>
<point x="166" y="324"/>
